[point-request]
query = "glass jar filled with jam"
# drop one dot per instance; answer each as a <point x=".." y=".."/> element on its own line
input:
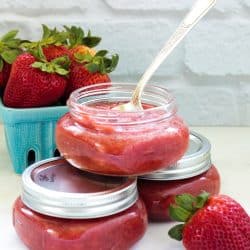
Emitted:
<point x="62" y="208"/>
<point x="95" y="137"/>
<point x="191" y="174"/>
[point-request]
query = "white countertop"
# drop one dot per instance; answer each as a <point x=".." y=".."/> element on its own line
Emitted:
<point x="230" y="153"/>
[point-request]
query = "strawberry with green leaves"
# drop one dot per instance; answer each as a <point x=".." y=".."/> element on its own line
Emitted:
<point x="36" y="82"/>
<point x="9" y="50"/>
<point x="87" y="69"/>
<point x="87" y="66"/>
<point x="53" y="43"/>
<point x="79" y="42"/>
<point x="210" y="222"/>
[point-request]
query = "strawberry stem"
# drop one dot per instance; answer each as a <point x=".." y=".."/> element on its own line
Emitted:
<point x="179" y="213"/>
<point x="99" y="62"/>
<point x="186" y="205"/>
<point x="37" y="52"/>
<point x="201" y="200"/>
<point x="176" y="232"/>
<point x="9" y="48"/>
<point x="77" y="37"/>
<point x="59" y="65"/>
<point x="49" y="37"/>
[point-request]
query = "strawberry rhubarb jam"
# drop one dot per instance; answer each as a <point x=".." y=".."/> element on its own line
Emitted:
<point x="192" y="174"/>
<point x="95" y="137"/>
<point x="62" y="208"/>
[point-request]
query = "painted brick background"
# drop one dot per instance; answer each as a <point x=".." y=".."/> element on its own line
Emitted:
<point x="209" y="72"/>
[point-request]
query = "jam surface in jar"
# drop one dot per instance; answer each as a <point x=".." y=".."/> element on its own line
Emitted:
<point x="62" y="208"/>
<point x="192" y="174"/>
<point x="96" y="138"/>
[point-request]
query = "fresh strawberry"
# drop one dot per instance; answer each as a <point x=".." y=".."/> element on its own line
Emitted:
<point x="211" y="222"/>
<point x="9" y="50"/>
<point x="53" y="43"/>
<point x="35" y="83"/>
<point x="77" y="40"/>
<point x="87" y="66"/>
<point x="80" y="77"/>
<point x="86" y="70"/>
<point x="53" y="51"/>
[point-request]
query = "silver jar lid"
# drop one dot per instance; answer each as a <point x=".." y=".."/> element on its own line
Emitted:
<point x="196" y="160"/>
<point x="53" y="187"/>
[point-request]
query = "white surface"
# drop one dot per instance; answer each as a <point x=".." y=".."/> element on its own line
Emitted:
<point x="230" y="153"/>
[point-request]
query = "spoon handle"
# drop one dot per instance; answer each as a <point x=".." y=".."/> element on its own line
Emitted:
<point x="200" y="8"/>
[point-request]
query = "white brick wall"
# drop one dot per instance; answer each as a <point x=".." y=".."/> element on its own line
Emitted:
<point x="209" y="72"/>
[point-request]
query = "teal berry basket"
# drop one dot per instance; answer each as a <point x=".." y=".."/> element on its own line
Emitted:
<point x="29" y="133"/>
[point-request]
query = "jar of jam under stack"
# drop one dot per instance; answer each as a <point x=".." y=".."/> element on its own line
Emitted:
<point x="62" y="208"/>
<point x="191" y="174"/>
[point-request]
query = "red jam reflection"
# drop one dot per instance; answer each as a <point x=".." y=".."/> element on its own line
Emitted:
<point x="121" y="143"/>
<point x="158" y="195"/>
<point x="116" y="232"/>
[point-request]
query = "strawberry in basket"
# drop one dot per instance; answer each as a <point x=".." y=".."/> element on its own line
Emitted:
<point x="56" y="65"/>
<point x="87" y="66"/>
<point x="86" y="69"/>
<point x="9" y="50"/>
<point x="38" y="77"/>
<point x="36" y="82"/>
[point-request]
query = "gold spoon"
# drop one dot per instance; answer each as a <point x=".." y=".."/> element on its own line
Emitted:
<point x="199" y="9"/>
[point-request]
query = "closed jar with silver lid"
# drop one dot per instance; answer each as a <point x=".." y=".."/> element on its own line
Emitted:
<point x="193" y="173"/>
<point x="63" y="208"/>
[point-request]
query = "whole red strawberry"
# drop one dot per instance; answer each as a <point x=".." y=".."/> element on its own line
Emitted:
<point x="9" y="50"/>
<point x="35" y="83"/>
<point x="87" y="69"/>
<point x="212" y="223"/>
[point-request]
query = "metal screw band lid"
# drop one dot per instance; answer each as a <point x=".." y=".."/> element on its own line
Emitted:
<point x="53" y="187"/>
<point x="196" y="160"/>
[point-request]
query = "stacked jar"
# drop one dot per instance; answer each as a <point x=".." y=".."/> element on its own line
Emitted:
<point x="89" y="198"/>
<point x="63" y="208"/>
<point x="192" y="174"/>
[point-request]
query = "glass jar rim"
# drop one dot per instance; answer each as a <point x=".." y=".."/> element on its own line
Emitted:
<point x="161" y="96"/>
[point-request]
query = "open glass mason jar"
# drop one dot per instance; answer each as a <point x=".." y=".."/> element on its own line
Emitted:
<point x="95" y="137"/>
